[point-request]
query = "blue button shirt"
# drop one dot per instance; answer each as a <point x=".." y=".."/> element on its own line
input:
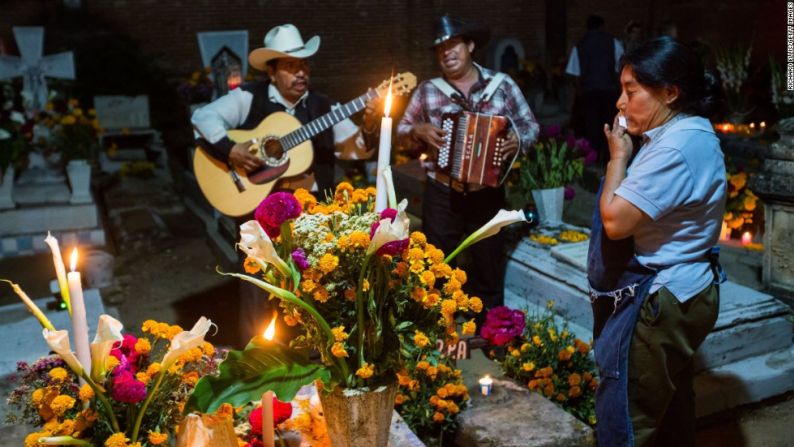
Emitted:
<point x="678" y="179"/>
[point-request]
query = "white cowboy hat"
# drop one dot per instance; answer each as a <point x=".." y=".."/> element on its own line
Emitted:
<point x="283" y="41"/>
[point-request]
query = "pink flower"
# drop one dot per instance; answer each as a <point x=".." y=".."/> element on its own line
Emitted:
<point x="125" y="352"/>
<point x="393" y="247"/>
<point x="570" y="192"/>
<point x="502" y="325"/>
<point x="127" y="389"/>
<point x="299" y="256"/>
<point x="276" y="209"/>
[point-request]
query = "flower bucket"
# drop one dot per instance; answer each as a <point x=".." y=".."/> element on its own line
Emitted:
<point x="79" y="172"/>
<point x="549" y="203"/>
<point x="7" y="189"/>
<point x="206" y="430"/>
<point x="359" y="417"/>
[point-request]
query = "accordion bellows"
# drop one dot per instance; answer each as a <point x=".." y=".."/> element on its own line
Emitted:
<point x="473" y="147"/>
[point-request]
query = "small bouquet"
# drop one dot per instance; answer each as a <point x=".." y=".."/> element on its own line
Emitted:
<point x="15" y="130"/>
<point x="198" y="88"/>
<point x="743" y="208"/>
<point x="431" y="394"/>
<point x="132" y="394"/>
<point x="66" y="128"/>
<point x="358" y="284"/>
<point x="545" y="356"/>
<point x="733" y="64"/>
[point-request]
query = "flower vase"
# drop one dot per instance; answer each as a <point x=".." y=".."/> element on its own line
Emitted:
<point x="79" y="173"/>
<point x="7" y="189"/>
<point x="206" y="430"/>
<point x="358" y="417"/>
<point x="549" y="203"/>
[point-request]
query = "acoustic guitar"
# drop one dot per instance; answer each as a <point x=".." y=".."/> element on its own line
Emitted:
<point x="284" y="145"/>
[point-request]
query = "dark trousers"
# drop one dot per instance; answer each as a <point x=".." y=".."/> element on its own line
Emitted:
<point x="661" y="395"/>
<point x="449" y="216"/>
<point x="598" y="108"/>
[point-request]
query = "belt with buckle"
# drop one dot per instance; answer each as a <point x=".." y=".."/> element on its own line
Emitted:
<point x="455" y="185"/>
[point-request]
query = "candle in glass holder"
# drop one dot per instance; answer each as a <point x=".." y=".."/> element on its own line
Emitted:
<point x="486" y="385"/>
<point x="747" y="238"/>
<point x="762" y="126"/>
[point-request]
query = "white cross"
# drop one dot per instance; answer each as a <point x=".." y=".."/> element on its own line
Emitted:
<point x="33" y="67"/>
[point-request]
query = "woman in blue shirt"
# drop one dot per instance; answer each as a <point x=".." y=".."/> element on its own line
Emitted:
<point x="652" y="277"/>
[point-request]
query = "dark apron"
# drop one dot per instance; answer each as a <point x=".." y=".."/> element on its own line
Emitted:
<point x="618" y="287"/>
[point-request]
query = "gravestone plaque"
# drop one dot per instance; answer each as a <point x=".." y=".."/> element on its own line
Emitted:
<point x="122" y="112"/>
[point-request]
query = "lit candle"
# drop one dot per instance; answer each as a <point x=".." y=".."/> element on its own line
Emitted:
<point x="268" y="432"/>
<point x="486" y="385"/>
<point x="747" y="238"/>
<point x="60" y="270"/>
<point x="763" y="126"/>
<point x="79" y="321"/>
<point x="384" y="155"/>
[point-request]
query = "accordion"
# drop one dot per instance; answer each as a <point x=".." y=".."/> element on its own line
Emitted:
<point x="472" y="149"/>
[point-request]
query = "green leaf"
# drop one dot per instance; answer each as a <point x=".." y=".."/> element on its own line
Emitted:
<point x="246" y="375"/>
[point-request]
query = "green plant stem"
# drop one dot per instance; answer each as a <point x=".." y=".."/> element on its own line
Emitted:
<point x="145" y="405"/>
<point x="360" y="310"/>
<point x="103" y="399"/>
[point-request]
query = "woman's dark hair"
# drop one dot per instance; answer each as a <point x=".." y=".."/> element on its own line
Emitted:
<point x="665" y="62"/>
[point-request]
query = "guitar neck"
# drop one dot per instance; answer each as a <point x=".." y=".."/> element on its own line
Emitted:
<point x="318" y="125"/>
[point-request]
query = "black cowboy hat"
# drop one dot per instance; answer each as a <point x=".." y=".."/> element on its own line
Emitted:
<point x="448" y="27"/>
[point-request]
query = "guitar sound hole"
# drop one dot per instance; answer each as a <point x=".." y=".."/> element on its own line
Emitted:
<point x="273" y="149"/>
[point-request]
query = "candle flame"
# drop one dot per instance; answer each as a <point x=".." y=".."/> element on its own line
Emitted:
<point x="73" y="259"/>
<point x="387" y="106"/>
<point x="270" y="332"/>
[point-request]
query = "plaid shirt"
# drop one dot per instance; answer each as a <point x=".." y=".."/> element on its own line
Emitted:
<point x="428" y="103"/>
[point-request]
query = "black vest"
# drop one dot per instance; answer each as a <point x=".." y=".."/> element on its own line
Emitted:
<point x="597" y="61"/>
<point x="314" y="106"/>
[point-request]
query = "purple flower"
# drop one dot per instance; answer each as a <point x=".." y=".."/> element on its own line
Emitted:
<point x="127" y="389"/>
<point x="570" y="140"/>
<point x="551" y="131"/>
<point x="299" y="256"/>
<point x="590" y="158"/>
<point x="502" y="325"/>
<point x="570" y="192"/>
<point x="276" y="209"/>
<point x="388" y="213"/>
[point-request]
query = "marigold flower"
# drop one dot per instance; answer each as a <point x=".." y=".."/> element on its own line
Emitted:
<point x="587" y="376"/>
<point x="461" y="299"/>
<point x="469" y="327"/>
<point x="515" y="353"/>
<point x="537" y="341"/>
<point x="427" y="277"/>
<point x="142" y="346"/>
<point x="58" y="374"/>
<point x="350" y="294"/>
<point x="448" y="307"/>
<point x="418" y="294"/>
<point x="321" y="295"/>
<point x="575" y="392"/>
<point x="442" y="392"/>
<point x="156" y="438"/>
<point x="338" y="350"/>
<point x="116" y="440"/>
<point x="565" y="355"/>
<point x="431" y="300"/>
<point x="441" y="270"/>
<point x="400" y="269"/>
<point x="451" y="286"/>
<point x="528" y="366"/>
<point x="459" y="275"/>
<point x="574" y="379"/>
<point x="420" y="339"/>
<point x="436" y="257"/>
<point x="475" y="304"/>
<point x="365" y="285"/>
<point x="438" y="417"/>
<point x="418" y="238"/>
<point x="422" y="365"/>
<point x="359" y="239"/>
<point x="111" y="363"/>
<point x="62" y="404"/>
<point x="366" y="371"/>
<point x="226" y="410"/>
<point x="32" y="440"/>
<point x="328" y="263"/>
<point x="453" y="408"/>
<point x="86" y="392"/>
<point x="339" y="333"/>
<point x="432" y="372"/>
<point x="37" y="395"/>
<point x="251" y="266"/>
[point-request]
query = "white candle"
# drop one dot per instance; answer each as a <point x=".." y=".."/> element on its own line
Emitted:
<point x="268" y="433"/>
<point x="79" y="321"/>
<point x="384" y="155"/>
<point x="486" y="385"/>
<point x="60" y="270"/>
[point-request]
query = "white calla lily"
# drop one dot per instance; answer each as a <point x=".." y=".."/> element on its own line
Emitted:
<point x="389" y="231"/>
<point x="59" y="342"/>
<point x="387" y="176"/>
<point x="186" y="340"/>
<point x="501" y="219"/>
<point x="255" y="242"/>
<point x="108" y="332"/>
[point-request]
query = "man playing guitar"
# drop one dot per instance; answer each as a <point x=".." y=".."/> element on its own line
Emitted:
<point x="284" y="59"/>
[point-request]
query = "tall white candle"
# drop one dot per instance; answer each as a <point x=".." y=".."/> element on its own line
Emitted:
<point x="79" y="321"/>
<point x="384" y="155"/>
<point x="268" y="433"/>
<point x="60" y="270"/>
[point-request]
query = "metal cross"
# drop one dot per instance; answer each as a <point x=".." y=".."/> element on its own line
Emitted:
<point x="33" y="67"/>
